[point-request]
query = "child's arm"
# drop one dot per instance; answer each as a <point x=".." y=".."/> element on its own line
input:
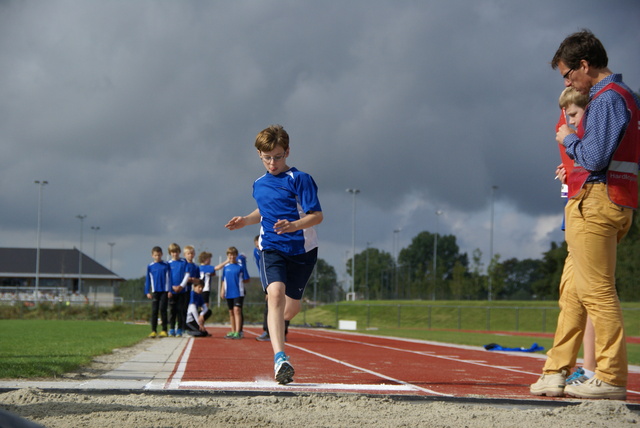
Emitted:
<point x="285" y="226"/>
<point x="240" y="222"/>
<point x="223" y="289"/>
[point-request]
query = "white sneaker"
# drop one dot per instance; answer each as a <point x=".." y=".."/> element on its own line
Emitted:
<point x="596" y="388"/>
<point x="551" y="385"/>
<point x="284" y="371"/>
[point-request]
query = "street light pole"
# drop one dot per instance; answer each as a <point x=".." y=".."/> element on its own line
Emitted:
<point x="395" y="256"/>
<point x="111" y="244"/>
<point x="95" y="237"/>
<point x="493" y="191"/>
<point x="354" y="192"/>
<point x="81" y="217"/>
<point x="40" y="185"/>
<point x="435" y="254"/>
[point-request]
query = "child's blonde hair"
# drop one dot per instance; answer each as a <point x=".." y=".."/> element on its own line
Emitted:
<point x="189" y="248"/>
<point x="571" y="96"/>
<point x="232" y="250"/>
<point x="174" y="248"/>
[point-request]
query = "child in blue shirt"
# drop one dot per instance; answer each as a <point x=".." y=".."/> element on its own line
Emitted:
<point x="195" y="319"/>
<point x="179" y="298"/>
<point x="234" y="276"/>
<point x="156" y="287"/>
<point x="288" y="208"/>
<point x="207" y="272"/>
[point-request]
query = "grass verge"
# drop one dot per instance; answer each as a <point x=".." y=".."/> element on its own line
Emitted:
<point x="47" y="348"/>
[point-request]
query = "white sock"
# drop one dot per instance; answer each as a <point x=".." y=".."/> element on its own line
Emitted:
<point x="588" y="373"/>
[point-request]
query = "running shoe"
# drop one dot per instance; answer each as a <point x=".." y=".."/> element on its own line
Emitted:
<point x="283" y="371"/>
<point x="153" y="335"/>
<point x="163" y="334"/>
<point x="172" y="333"/>
<point x="179" y="332"/>
<point x="577" y="377"/>
<point x="264" y="337"/>
<point x="230" y="335"/>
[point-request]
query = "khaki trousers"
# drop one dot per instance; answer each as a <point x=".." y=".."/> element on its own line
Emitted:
<point x="594" y="227"/>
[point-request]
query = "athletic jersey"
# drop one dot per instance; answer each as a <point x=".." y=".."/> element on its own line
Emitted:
<point x="194" y="272"/>
<point x="196" y="301"/>
<point x="233" y="276"/>
<point x="242" y="261"/>
<point x="158" y="277"/>
<point x="256" y="256"/>
<point x="179" y="274"/>
<point x="206" y="273"/>
<point x="287" y="196"/>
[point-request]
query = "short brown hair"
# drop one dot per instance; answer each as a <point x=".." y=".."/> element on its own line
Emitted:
<point x="579" y="46"/>
<point x="174" y="248"/>
<point x="269" y="138"/>
<point x="232" y="250"/>
<point x="204" y="256"/>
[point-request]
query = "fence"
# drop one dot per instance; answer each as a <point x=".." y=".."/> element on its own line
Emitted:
<point x="371" y="315"/>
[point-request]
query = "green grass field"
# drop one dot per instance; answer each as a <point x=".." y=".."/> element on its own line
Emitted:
<point x="45" y="348"/>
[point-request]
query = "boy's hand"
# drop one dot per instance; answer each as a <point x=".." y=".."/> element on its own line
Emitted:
<point x="561" y="174"/>
<point x="284" y="226"/>
<point x="149" y="296"/>
<point x="177" y="288"/>
<point x="235" y="223"/>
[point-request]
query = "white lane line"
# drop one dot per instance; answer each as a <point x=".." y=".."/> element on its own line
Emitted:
<point x="380" y="375"/>
<point x="182" y="365"/>
<point x="442" y="357"/>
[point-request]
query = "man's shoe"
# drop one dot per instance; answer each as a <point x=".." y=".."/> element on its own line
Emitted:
<point x="284" y="371"/>
<point x="172" y="333"/>
<point x="551" y="385"/>
<point x="163" y="334"/>
<point x="153" y="335"/>
<point x="577" y="377"/>
<point x="596" y="388"/>
<point x="264" y="337"/>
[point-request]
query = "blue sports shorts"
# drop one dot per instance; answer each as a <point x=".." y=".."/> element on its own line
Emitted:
<point x="293" y="271"/>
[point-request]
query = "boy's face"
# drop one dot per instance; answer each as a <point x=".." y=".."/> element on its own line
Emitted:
<point x="206" y="261"/>
<point x="275" y="161"/>
<point x="233" y="258"/>
<point x="189" y="254"/>
<point x="175" y="255"/>
<point x="157" y="256"/>
<point x="198" y="288"/>
<point x="574" y="114"/>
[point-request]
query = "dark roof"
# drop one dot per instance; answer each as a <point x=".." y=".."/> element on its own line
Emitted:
<point x="54" y="263"/>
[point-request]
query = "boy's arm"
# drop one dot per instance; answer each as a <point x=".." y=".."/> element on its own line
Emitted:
<point x="311" y="219"/>
<point x="240" y="222"/>
<point x="223" y="289"/>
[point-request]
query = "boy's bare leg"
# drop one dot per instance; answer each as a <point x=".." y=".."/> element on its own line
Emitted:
<point x="275" y="316"/>
<point x="232" y="321"/>
<point x="237" y="315"/>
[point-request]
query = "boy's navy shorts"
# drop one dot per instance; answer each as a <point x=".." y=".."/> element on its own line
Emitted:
<point x="293" y="271"/>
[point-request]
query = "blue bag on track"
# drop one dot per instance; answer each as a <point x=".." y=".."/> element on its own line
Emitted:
<point x="495" y="347"/>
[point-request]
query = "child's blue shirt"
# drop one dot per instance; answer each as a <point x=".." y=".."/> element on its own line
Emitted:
<point x="158" y="277"/>
<point x="233" y="276"/>
<point x="286" y="196"/>
<point x="179" y="274"/>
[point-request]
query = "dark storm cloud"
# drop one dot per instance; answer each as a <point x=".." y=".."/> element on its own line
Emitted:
<point x="142" y="115"/>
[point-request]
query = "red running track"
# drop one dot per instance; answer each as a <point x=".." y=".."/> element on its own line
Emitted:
<point x="334" y="361"/>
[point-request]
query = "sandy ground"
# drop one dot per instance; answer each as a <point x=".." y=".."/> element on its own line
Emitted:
<point x="100" y="410"/>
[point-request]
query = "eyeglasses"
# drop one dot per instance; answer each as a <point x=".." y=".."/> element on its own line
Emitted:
<point x="268" y="159"/>
<point x="566" y="75"/>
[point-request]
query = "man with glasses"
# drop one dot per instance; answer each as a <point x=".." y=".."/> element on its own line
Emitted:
<point x="603" y="192"/>
<point x="288" y="208"/>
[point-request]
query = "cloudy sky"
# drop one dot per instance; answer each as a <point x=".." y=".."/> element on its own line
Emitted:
<point x="142" y="116"/>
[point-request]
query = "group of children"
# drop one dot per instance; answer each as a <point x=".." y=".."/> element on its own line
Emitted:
<point x="180" y="291"/>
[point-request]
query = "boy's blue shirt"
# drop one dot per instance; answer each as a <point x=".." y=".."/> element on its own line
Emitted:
<point x="178" y="271"/>
<point x="158" y="277"/>
<point x="233" y="276"/>
<point x="286" y="196"/>
<point x="206" y="273"/>
<point x="194" y="272"/>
